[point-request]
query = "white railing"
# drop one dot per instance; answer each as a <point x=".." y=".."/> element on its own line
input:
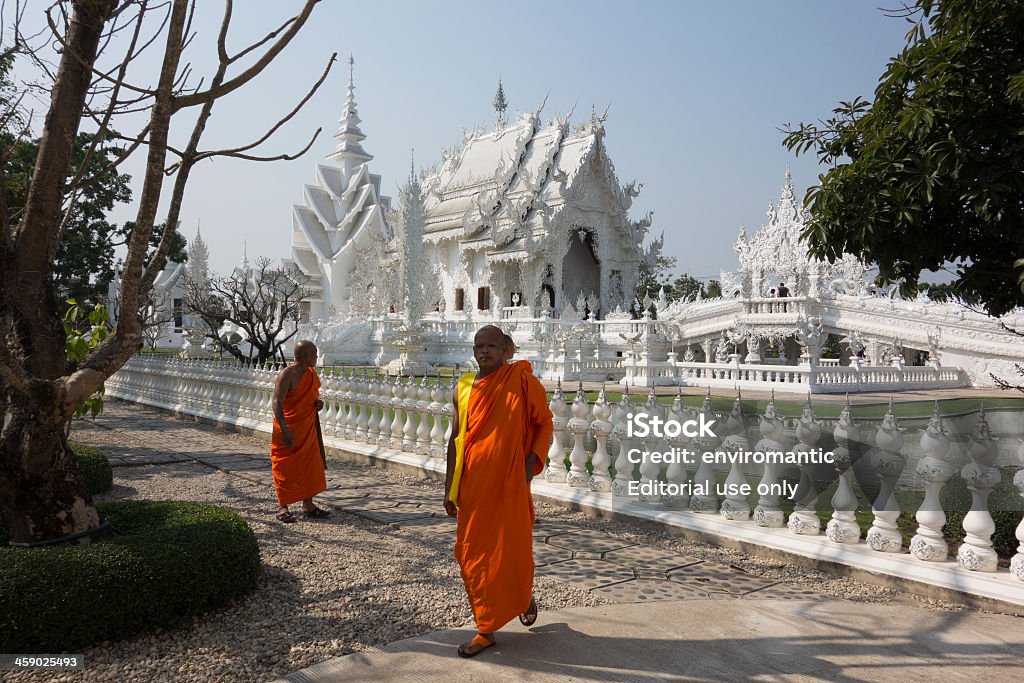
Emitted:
<point x="413" y="416"/>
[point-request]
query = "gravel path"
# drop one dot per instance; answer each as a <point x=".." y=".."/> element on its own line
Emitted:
<point x="336" y="586"/>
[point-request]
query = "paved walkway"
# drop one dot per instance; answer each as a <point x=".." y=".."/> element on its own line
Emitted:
<point x="673" y="617"/>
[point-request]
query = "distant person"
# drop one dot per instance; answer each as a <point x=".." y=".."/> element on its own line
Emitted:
<point x="501" y="431"/>
<point x="296" y="450"/>
<point x="782" y="293"/>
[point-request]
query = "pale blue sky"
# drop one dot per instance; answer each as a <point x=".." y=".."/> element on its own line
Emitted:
<point x="697" y="91"/>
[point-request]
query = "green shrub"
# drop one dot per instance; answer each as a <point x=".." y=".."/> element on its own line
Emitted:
<point x="170" y="561"/>
<point x="1004" y="502"/>
<point x="99" y="477"/>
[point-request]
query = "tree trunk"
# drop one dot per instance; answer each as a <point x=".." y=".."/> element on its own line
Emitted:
<point x="42" y="492"/>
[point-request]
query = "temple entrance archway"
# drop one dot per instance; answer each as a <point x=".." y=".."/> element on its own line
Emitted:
<point x="581" y="270"/>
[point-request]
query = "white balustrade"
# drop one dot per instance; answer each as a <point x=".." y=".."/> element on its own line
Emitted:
<point x="392" y="414"/>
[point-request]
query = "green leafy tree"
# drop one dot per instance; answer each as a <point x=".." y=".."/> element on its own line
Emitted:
<point x="931" y="172"/>
<point x="684" y="287"/>
<point x="652" y="278"/>
<point x="713" y="290"/>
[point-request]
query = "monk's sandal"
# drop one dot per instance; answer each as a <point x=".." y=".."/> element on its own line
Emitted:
<point x="317" y="513"/>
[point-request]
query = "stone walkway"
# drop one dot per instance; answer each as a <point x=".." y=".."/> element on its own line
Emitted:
<point x="665" y="618"/>
<point x="618" y="571"/>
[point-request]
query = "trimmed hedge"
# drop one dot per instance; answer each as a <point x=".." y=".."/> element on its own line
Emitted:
<point x="99" y="476"/>
<point x="172" y="560"/>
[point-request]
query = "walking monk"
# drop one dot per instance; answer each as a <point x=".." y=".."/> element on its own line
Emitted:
<point x="500" y="436"/>
<point x="296" y="454"/>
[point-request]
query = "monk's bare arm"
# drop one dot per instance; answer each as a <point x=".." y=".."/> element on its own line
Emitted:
<point x="286" y="382"/>
<point x="449" y="471"/>
<point x="541" y="422"/>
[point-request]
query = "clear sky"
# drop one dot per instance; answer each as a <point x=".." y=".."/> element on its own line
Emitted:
<point x="698" y="91"/>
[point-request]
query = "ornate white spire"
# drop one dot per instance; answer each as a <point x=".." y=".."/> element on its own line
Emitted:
<point x="413" y="267"/>
<point x="350" y="152"/>
<point x="500" y="106"/>
<point x="198" y="260"/>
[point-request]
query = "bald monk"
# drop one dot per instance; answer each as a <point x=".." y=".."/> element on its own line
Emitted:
<point x="295" y="449"/>
<point x="491" y="461"/>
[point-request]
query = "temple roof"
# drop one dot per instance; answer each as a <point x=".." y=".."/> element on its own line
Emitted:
<point x="498" y="174"/>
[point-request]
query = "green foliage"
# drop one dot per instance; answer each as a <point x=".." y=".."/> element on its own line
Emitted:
<point x="173" y="560"/>
<point x="1004" y="502"/>
<point x="84" y="332"/>
<point x="96" y="470"/>
<point x="651" y="280"/>
<point x="84" y="265"/>
<point x="935" y="170"/>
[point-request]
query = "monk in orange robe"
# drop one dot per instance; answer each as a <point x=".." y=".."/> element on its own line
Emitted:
<point x="500" y="436"/>
<point x="296" y="452"/>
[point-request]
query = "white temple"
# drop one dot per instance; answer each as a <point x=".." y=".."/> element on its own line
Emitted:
<point x="342" y="223"/>
<point x="525" y="215"/>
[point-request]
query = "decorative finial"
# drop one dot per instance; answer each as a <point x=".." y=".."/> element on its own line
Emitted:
<point x="198" y="227"/>
<point x="412" y="163"/>
<point x="500" y="103"/>
<point x="351" y="64"/>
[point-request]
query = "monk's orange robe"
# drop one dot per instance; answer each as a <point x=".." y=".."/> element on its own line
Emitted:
<point x="299" y="470"/>
<point x="508" y="418"/>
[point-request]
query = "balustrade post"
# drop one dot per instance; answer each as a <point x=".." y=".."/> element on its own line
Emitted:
<point x="578" y="477"/>
<point x="929" y="543"/>
<point x="437" y="402"/>
<point x="676" y="473"/>
<point x="649" y="471"/>
<point x="329" y="396"/>
<point x="1017" y="563"/>
<point x="600" y="477"/>
<point x="805" y="520"/>
<point x="843" y="527"/>
<point x="735" y="505"/>
<point x="394" y="440"/>
<point x="705" y="498"/>
<point x="556" y="454"/>
<point x="374" y="421"/>
<point x="341" y="396"/>
<point x="422" y="436"/>
<point x="884" y="534"/>
<point x="448" y="411"/>
<point x="976" y="551"/>
<point x="363" y="398"/>
<point x="408" y="439"/>
<point x="352" y="390"/>
<point x="623" y="467"/>
<point x="768" y="512"/>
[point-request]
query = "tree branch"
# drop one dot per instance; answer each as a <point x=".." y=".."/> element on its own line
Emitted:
<point x="218" y="91"/>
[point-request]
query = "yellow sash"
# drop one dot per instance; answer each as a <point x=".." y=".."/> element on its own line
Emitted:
<point x="465" y="386"/>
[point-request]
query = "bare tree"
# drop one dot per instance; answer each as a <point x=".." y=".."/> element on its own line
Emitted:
<point x="263" y="302"/>
<point x="157" y="311"/>
<point x="42" y="496"/>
